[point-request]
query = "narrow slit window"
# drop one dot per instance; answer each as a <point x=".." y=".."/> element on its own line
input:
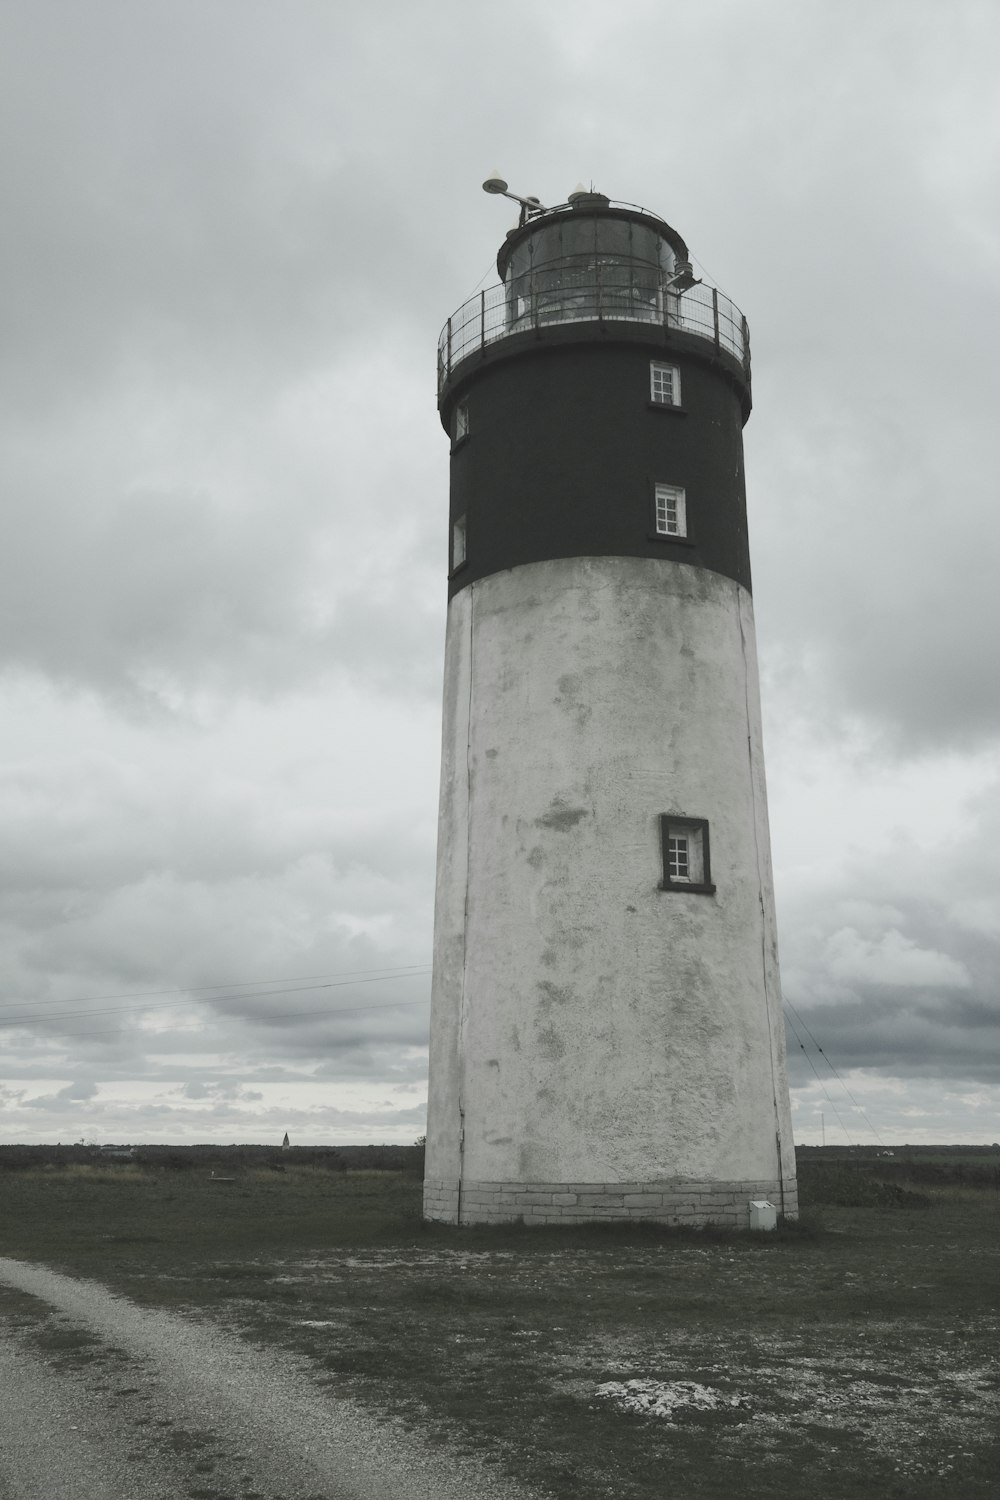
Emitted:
<point x="664" y="384"/>
<point x="461" y="421"/>
<point x="458" y="543"/>
<point x="671" y="511"/>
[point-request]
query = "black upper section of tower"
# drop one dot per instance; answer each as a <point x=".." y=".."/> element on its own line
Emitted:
<point x="560" y="436"/>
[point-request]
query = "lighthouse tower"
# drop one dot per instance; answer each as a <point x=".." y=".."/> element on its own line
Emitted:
<point x="606" y="1023"/>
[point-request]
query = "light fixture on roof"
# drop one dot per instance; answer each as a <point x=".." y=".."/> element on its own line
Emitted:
<point x="683" y="278"/>
<point x="497" y="184"/>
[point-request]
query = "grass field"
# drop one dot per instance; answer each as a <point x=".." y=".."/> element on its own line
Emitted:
<point x="852" y="1356"/>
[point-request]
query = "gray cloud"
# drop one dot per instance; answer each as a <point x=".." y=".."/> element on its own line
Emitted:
<point x="897" y="972"/>
<point x="78" y="1091"/>
<point x="228" y="254"/>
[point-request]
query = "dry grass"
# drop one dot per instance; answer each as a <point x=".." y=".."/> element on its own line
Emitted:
<point x="852" y="1357"/>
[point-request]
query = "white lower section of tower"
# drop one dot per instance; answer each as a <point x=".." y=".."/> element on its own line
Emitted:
<point x="601" y="1047"/>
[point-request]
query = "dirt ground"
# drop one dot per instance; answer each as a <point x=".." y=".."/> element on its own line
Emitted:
<point x="704" y="1364"/>
<point x="103" y="1399"/>
<point x="854" y="1356"/>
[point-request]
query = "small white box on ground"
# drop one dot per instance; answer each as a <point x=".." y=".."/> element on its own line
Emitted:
<point x="763" y="1215"/>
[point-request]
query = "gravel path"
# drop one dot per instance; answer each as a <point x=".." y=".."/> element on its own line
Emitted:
<point x="101" y="1399"/>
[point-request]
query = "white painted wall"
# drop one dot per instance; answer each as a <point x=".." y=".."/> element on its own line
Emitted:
<point x="587" y="1026"/>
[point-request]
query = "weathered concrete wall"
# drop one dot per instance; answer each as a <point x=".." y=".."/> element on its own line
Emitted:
<point x="587" y="1027"/>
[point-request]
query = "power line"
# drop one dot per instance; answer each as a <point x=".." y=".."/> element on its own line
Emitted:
<point x="345" y="976"/>
<point x="489" y="268"/>
<point x="702" y="266"/>
<point x="819" y="1080"/>
<point x="347" y="1010"/>
<point x="134" y="1010"/>
<point x="861" y="1111"/>
<point x="164" y="1005"/>
<point x="223" y="984"/>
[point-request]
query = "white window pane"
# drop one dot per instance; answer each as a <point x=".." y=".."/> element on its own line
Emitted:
<point x="677" y="858"/>
<point x="685" y="854"/>
<point x="671" y="511"/>
<point x="664" y="384"/>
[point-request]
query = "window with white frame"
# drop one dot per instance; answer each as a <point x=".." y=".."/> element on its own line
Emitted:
<point x="686" y="863"/>
<point x="458" y="543"/>
<point x="671" y="511"/>
<point x="678" y="857"/>
<point x="461" y="421"/>
<point x="664" y="384"/>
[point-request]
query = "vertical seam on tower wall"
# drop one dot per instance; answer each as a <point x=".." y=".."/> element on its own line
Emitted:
<point x="760" y="897"/>
<point x="465" y="906"/>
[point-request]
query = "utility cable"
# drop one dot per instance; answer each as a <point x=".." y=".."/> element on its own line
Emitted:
<point x="132" y="1010"/>
<point x="232" y="984"/>
<point x="475" y="289"/>
<point x="702" y="267"/>
<point x="861" y="1111"/>
<point x="275" y="1016"/>
<point x="819" y="1080"/>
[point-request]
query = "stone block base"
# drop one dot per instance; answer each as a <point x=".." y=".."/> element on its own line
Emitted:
<point x="670" y="1201"/>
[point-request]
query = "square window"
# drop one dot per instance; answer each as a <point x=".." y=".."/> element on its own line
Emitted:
<point x="671" y="511"/>
<point x="664" y="384"/>
<point x="461" y="421"/>
<point x="458" y="543"/>
<point x="686" y="864"/>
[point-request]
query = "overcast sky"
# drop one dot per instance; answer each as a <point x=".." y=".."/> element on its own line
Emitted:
<point x="232" y="231"/>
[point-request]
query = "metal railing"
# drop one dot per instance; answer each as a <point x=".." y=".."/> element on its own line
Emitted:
<point x="500" y="312"/>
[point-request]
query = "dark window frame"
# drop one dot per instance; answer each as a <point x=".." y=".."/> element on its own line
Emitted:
<point x="694" y="828"/>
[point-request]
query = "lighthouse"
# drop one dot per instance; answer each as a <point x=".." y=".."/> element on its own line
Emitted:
<point x="607" y="1036"/>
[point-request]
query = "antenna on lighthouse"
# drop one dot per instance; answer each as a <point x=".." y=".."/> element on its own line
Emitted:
<point x="498" y="184"/>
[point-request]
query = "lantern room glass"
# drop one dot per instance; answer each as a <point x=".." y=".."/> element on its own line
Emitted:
<point x="590" y="267"/>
